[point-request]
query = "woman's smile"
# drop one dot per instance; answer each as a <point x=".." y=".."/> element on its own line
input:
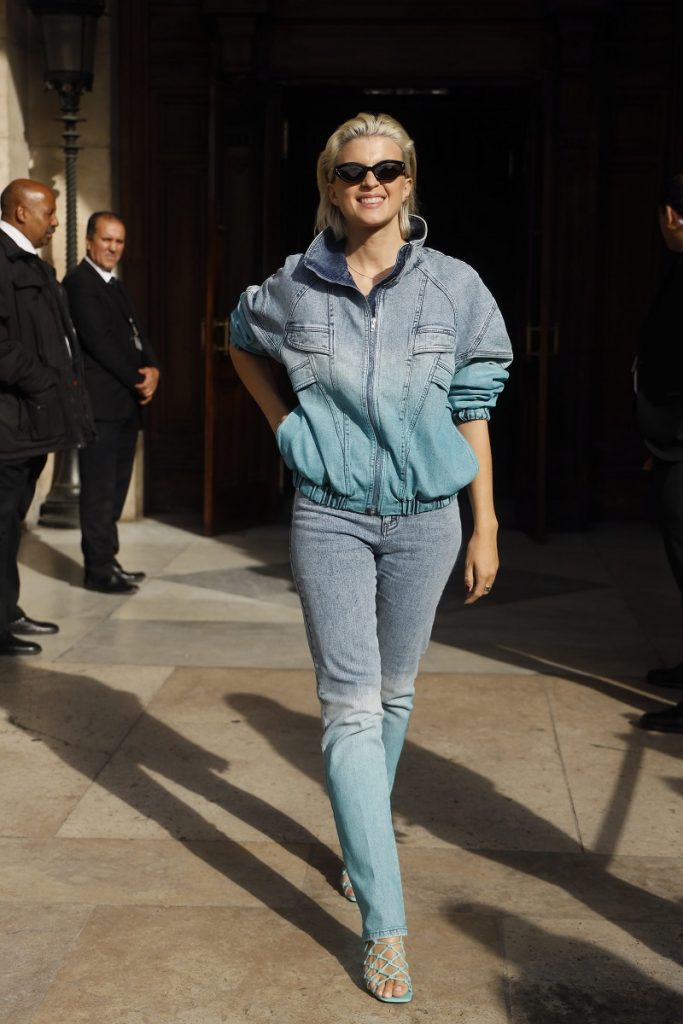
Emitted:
<point x="369" y="205"/>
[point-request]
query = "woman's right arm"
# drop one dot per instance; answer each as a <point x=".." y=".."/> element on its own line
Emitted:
<point x="256" y="373"/>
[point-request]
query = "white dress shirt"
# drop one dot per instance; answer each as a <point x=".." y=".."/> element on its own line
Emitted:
<point x="106" y="275"/>
<point x="16" y="235"/>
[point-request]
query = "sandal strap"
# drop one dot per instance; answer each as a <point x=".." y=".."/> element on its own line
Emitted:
<point x="347" y="886"/>
<point x="385" y="961"/>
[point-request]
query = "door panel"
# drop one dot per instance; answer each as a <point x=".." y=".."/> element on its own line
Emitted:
<point x="243" y="480"/>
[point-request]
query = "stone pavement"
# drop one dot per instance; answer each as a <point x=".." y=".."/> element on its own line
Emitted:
<point x="167" y="854"/>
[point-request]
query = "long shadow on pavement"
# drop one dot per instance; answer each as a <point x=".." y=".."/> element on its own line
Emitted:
<point x="86" y="724"/>
<point x="428" y="782"/>
<point x="570" y="979"/>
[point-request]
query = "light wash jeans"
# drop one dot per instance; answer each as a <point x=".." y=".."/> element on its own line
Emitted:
<point x="369" y="587"/>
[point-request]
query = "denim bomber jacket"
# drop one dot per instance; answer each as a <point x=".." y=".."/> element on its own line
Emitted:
<point x="381" y="381"/>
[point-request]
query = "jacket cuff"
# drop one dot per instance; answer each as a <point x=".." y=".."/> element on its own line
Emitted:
<point x="466" y="415"/>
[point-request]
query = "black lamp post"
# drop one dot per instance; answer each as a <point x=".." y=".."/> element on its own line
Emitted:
<point x="68" y="30"/>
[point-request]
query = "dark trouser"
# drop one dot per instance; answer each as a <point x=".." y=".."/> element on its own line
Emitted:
<point x="17" y="486"/>
<point x="105" y="468"/>
<point x="668" y="481"/>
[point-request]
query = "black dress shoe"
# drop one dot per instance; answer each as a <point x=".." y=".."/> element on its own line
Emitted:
<point x="13" y="645"/>
<point x="666" y="676"/>
<point x="109" y="584"/>
<point x="129" y="577"/>
<point x="31" y="627"/>
<point x="667" y="720"/>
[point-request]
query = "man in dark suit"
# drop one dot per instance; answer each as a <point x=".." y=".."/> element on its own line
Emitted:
<point x="43" y="402"/>
<point x="121" y="375"/>
<point x="659" y="392"/>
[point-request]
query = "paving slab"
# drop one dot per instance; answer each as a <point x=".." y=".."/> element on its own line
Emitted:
<point x="624" y="782"/>
<point x="151" y="872"/>
<point x="517" y="883"/>
<point x="34" y="941"/>
<point x="589" y="972"/>
<point x="478" y="782"/>
<point x="177" y="600"/>
<point x="218" y="966"/>
<point x="198" y="766"/>
<point x="151" y="642"/>
<point x="57" y="731"/>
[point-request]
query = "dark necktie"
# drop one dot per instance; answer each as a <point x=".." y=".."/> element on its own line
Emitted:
<point x="122" y="300"/>
<point x="115" y="286"/>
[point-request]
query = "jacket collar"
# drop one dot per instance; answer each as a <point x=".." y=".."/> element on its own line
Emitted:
<point x="325" y="255"/>
<point x="28" y="271"/>
<point x="104" y="275"/>
<point x="14" y="252"/>
<point x="18" y="237"/>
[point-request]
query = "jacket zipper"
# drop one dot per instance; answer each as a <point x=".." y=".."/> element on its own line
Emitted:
<point x="371" y="510"/>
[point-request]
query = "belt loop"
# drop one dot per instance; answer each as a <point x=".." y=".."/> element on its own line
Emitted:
<point x="389" y="523"/>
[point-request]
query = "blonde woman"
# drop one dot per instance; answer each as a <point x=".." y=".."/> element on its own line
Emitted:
<point x="396" y="354"/>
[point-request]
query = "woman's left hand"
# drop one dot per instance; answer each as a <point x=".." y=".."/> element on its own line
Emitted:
<point x="481" y="564"/>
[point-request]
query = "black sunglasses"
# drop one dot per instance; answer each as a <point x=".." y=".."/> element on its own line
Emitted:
<point x="385" y="170"/>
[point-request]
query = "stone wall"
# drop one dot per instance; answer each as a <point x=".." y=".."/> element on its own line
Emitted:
<point x="14" y="148"/>
<point x="32" y="142"/>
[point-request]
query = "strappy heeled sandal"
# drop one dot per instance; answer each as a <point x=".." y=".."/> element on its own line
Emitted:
<point x="385" y="960"/>
<point x="346" y="887"/>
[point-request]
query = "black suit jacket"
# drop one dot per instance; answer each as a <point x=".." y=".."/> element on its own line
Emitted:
<point x="104" y="319"/>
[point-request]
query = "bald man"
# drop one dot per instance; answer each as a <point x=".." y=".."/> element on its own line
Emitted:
<point x="43" y="403"/>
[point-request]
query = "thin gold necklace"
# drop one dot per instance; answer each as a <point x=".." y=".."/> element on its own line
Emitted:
<point x="370" y="277"/>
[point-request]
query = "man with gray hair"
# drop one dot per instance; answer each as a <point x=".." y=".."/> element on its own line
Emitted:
<point x="121" y="375"/>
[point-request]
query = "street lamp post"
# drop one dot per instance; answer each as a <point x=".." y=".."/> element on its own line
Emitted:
<point x="68" y="30"/>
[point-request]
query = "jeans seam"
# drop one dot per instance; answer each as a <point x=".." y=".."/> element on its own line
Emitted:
<point x="307" y="619"/>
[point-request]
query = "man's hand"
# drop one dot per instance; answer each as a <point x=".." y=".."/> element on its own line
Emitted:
<point x="148" y="384"/>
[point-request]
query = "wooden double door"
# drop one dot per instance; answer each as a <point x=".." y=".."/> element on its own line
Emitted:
<point x="483" y="187"/>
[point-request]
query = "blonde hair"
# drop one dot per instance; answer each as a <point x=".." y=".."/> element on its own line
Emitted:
<point x="362" y="126"/>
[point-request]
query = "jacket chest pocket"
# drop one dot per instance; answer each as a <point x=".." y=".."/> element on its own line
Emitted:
<point x="441" y="374"/>
<point x="307" y="354"/>
<point x="309" y="338"/>
<point x="30" y="302"/>
<point x="301" y="375"/>
<point x="434" y="338"/>
<point x="434" y="355"/>
<point x="431" y="369"/>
